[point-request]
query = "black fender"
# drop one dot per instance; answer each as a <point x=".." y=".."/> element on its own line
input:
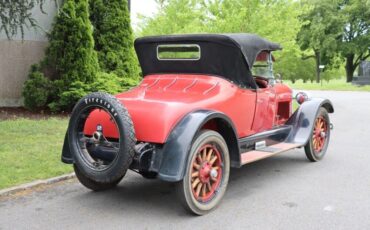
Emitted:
<point x="303" y="119"/>
<point x="176" y="149"/>
<point x="66" y="152"/>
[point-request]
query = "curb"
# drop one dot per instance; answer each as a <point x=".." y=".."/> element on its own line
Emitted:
<point x="34" y="184"/>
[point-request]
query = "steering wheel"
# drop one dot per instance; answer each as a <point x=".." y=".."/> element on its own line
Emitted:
<point x="262" y="82"/>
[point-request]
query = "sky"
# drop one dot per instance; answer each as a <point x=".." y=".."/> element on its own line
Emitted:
<point x="143" y="7"/>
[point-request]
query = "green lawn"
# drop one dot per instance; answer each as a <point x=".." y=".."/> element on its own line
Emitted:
<point x="336" y="84"/>
<point x="31" y="149"/>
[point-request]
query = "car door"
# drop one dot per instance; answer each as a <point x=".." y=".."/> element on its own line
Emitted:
<point x="265" y="109"/>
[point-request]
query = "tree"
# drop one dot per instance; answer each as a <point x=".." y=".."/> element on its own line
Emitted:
<point x="355" y="42"/>
<point x="176" y="16"/>
<point x="113" y="37"/>
<point x="71" y="49"/>
<point x="71" y="62"/>
<point x="320" y="30"/>
<point x="276" y="20"/>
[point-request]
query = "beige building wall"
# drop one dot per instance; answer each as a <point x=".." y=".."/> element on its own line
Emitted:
<point x="16" y="56"/>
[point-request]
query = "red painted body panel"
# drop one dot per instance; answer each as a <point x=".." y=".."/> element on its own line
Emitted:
<point x="160" y="101"/>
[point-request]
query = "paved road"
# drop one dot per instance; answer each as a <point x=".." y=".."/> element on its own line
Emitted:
<point x="283" y="192"/>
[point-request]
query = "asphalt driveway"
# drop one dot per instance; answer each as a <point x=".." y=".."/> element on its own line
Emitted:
<point x="282" y="192"/>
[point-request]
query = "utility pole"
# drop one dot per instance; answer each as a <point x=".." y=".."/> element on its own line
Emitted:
<point x="129" y="5"/>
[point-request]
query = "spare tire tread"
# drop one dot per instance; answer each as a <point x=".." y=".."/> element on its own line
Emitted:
<point x="126" y="129"/>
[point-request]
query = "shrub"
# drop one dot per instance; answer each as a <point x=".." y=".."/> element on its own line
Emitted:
<point x="71" y="50"/>
<point x="107" y="82"/>
<point x="71" y="61"/>
<point x="103" y="82"/>
<point x="36" y="90"/>
<point x="69" y="97"/>
<point x="71" y="54"/>
<point x="113" y="37"/>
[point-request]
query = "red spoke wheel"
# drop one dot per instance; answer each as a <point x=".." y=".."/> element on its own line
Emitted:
<point x="317" y="145"/>
<point x="207" y="173"/>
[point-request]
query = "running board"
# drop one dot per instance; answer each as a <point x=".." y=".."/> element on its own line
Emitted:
<point x="271" y="150"/>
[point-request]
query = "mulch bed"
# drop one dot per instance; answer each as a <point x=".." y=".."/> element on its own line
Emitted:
<point x="11" y="113"/>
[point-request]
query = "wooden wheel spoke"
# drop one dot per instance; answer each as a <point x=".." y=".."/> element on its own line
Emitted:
<point x="209" y="154"/>
<point x="195" y="183"/>
<point x="214" y="158"/>
<point x="195" y="174"/>
<point x="198" y="189"/>
<point x="209" y="186"/>
<point x="196" y="166"/>
<point x="204" y="153"/>
<point x="204" y="187"/>
<point x="199" y="159"/>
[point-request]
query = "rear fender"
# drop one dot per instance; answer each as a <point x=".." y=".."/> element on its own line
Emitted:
<point x="66" y="152"/>
<point x="303" y="119"/>
<point x="177" y="147"/>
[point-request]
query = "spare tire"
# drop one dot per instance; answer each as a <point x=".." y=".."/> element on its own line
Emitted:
<point x="88" y="150"/>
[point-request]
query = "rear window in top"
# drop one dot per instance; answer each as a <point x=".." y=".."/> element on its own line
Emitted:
<point x="178" y="52"/>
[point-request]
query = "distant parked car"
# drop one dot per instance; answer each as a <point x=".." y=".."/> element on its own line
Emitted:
<point x="206" y="103"/>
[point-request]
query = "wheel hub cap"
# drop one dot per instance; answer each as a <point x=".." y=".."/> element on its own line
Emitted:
<point x="204" y="172"/>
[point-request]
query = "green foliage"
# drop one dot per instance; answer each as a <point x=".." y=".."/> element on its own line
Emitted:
<point x="322" y="25"/>
<point x="292" y="67"/>
<point x="30" y="150"/>
<point x="355" y="41"/>
<point x="69" y="96"/>
<point x="71" y="61"/>
<point x="175" y="16"/>
<point x="36" y="89"/>
<point x="111" y="83"/>
<point x="71" y="50"/>
<point x="113" y="37"/>
<point x="276" y="20"/>
<point x="103" y="82"/>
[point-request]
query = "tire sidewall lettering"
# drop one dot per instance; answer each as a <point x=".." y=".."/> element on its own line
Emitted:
<point x="109" y="108"/>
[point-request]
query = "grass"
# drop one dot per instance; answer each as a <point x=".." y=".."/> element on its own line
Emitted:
<point x="31" y="150"/>
<point x="335" y="84"/>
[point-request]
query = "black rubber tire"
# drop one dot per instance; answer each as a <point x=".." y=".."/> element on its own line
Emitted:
<point x="183" y="187"/>
<point x="93" y="185"/>
<point x="309" y="149"/>
<point x="127" y="139"/>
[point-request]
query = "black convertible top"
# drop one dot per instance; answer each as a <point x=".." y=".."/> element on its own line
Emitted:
<point x="226" y="55"/>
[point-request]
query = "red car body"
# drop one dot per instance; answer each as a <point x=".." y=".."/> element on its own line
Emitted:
<point x="171" y="96"/>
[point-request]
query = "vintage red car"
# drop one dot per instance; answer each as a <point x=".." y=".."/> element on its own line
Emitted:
<point x="206" y="103"/>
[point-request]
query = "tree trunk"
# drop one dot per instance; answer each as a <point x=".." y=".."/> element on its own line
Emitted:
<point x="350" y="67"/>
<point x="317" y="59"/>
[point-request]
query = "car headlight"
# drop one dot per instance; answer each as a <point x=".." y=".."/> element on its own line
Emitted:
<point x="301" y="97"/>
